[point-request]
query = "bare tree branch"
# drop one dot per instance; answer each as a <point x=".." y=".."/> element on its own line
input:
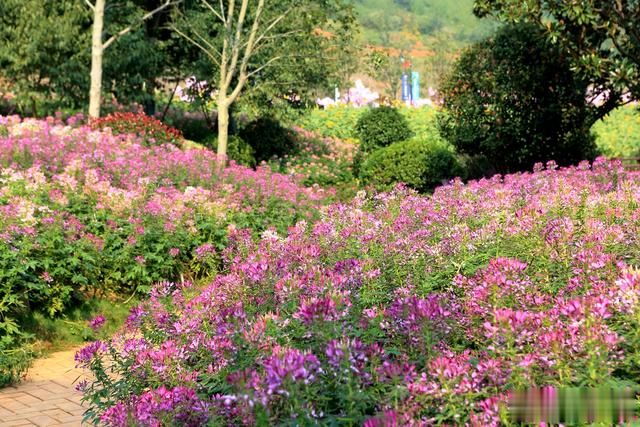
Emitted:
<point x="198" y="45"/>
<point x="91" y="6"/>
<point x="225" y="46"/>
<point x="235" y="49"/>
<point x="224" y="18"/>
<point x="272" y="25"/>
<point x="252" y="37"/>
<point x="242" y="73"/>
<point x="214" y="11"/>
<point x="146" y="16"/>
<point x="269" y="62"/>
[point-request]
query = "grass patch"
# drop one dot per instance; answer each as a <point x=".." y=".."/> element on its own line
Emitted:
<point x="72" y="328"/>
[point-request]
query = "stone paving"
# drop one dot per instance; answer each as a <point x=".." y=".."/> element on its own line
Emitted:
<point x="47" y="396"/>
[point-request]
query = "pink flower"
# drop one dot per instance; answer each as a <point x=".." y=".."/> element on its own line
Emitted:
<point x="97" y="322"/>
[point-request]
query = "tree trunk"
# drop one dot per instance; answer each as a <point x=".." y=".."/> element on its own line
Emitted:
<point x="97" y="49"/>
<point x="223" y="132"/>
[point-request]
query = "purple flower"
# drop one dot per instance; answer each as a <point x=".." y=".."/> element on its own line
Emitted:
<point x="97" y="322"/>
<point x="289" y="365"/>
<point x="204" y="250"/>
<point x="135" y="316"/>
<point x="115" y="416"/>
<point x="317" y="309"/>
<point x="85" y="355"/>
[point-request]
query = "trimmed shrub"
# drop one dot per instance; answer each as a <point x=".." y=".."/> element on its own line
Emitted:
<point x="420" y="164"/>
<point x="269" y="138"/>
<point x="151" y="131"/>
<point x="380" y="127"/>
<point x="515" y="100"/>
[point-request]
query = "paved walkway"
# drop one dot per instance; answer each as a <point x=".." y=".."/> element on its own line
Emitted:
<point x="47" y="397"/>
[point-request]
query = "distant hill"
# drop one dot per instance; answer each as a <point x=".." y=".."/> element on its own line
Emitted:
<point x="428" y="32"/>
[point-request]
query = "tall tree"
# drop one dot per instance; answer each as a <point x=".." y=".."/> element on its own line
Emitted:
<point x="253" y="38"/>
<point x="602" y="37"/>
<point x="514" y="100"/>
<point x="99" y="45"/>
<point x="47" y="70"/>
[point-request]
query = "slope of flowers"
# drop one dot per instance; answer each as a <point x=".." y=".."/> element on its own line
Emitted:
<point x="394" y="310"/>
<point x="83" y="211"/>
<point x="325" y="161"/>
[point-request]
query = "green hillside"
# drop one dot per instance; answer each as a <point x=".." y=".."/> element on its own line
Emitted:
<point x="428" y="32"/>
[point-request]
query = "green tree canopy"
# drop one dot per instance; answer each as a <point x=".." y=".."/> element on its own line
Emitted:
<point x="43" y="49"/>
<point x="308" y="51"/>
<point x="45" y="52"/>
<point x="602" y="38"/>
<point x="514" y="100"/>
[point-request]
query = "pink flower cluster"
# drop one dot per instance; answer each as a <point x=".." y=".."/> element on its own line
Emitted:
<point x="399" y="309"/>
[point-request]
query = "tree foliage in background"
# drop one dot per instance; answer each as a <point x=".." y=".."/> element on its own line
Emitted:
<point x="43" y="50"/>
<point x="515" y="100"/>
<point x="602" y="38"/>
<point x="49" y="69"/>
<point x="99" y="43"/>
<point x="430" y="33"/>
<point x="387" y="69"/>
<point x="270" y="49"/>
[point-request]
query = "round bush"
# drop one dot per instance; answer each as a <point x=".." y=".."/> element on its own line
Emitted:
<point x="380" y="127"/>
<point x="419" y="164"/>
<point x="268" y="138"/>
<point x="515" y="100"/>
<point x="150" y="130"/>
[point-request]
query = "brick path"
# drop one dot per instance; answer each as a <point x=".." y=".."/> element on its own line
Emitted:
<point x="47" y="397"/>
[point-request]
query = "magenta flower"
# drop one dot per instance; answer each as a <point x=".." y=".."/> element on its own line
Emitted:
<point x="97" y="322"/>
<point x="85" y="355"/>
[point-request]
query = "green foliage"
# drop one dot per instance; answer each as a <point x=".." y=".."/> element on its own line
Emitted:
<point x="237" y="149"/>
<point x="335" y="122"/>
<point x="308" y="50"/>
<point x="269" y="138"/>
<point x="618" y="134"/>
<point x="16" y="355"/>
<point x="44" y="54"/>
<point x="340" y="121"/>
<point x="49" y="69"/>
<point x="72" y="326"/>
<point x="515" y="100"/>
<point x="599" y="36"/>
<point x="421" y="164"/>
<point x="380" y="127"/>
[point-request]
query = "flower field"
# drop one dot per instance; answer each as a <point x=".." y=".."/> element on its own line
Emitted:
<point x="393" y="309"/>
<point x="86" y="213"/>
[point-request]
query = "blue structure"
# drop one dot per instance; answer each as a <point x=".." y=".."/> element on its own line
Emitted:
<point x="406" y="89"/>
<point x="415" y="86"/>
